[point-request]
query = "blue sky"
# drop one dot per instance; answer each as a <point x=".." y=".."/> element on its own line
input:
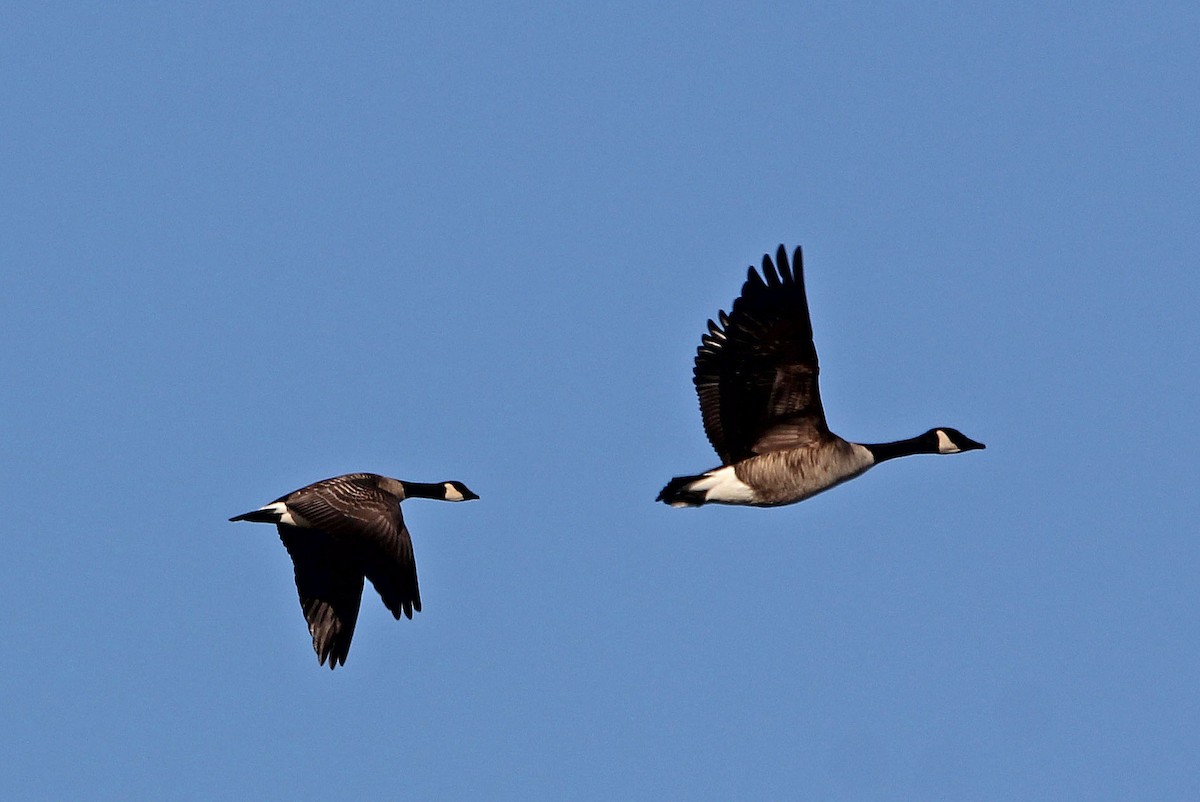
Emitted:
<point x="248" y="246"/>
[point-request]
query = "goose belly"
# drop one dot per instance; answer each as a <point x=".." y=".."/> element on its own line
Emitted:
<point x="786" y="477"/>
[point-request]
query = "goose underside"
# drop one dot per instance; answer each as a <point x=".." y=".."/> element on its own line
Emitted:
<point x="770" y="480"/>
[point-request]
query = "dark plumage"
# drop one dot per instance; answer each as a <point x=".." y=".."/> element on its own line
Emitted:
<point x="756" y="376"/>
<point x="756" y="372"/>
<point x="339" y="531"/>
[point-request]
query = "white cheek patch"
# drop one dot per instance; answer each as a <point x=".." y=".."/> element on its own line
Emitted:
<point x="452" y="494"/>
<point x="945" y="444"/>
<point x="723" y="485"/>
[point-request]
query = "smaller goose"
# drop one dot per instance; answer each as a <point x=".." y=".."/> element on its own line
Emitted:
<point x="339" y="531"/>
<point x="756" y="377"/>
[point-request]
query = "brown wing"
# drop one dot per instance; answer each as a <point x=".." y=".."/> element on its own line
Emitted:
<point x="330" y="585"/>
<point x="391" y="566"/>
<point x="368" y="524"/>
<point x="756" y="370"/>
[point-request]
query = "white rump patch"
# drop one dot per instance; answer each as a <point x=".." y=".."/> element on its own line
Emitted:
<point x="286" y="516"/>
<point x="723" y="485"/>
<point x="452" y="493"/>
<point x="945" y="444"/>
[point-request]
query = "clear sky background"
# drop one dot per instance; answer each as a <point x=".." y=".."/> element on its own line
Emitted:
<point x="248" y="246"/>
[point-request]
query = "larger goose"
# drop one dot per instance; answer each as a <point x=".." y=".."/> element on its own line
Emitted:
<point x="756" y="376"/>
<point x="339" y="531"/>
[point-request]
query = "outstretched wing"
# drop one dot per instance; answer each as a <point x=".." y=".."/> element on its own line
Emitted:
<point x="330" y="586"/>
<point x="390" y="564"/>
<point x="756" y="370"/>
<point x="367" y="523"/>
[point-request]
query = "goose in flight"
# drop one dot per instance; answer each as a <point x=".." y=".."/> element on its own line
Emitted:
<point x="339" y="531"/>
<point x="756" y="376"/>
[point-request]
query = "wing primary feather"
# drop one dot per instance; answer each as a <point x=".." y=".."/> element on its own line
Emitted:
<point x="756" y="367"/>
<point x="772" y="277"/>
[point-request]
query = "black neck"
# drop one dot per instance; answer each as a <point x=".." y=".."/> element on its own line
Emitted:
<point x="424" y="490"/>
<point x="921" y="444"/>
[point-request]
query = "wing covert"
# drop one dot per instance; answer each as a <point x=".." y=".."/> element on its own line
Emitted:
<point x="367" y="522"/>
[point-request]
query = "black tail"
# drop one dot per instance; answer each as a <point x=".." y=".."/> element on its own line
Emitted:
<point x="258" y="517"/>
<point x="677" y="494"/>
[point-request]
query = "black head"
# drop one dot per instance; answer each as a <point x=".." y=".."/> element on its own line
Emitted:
<point x="951" y="441"/>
